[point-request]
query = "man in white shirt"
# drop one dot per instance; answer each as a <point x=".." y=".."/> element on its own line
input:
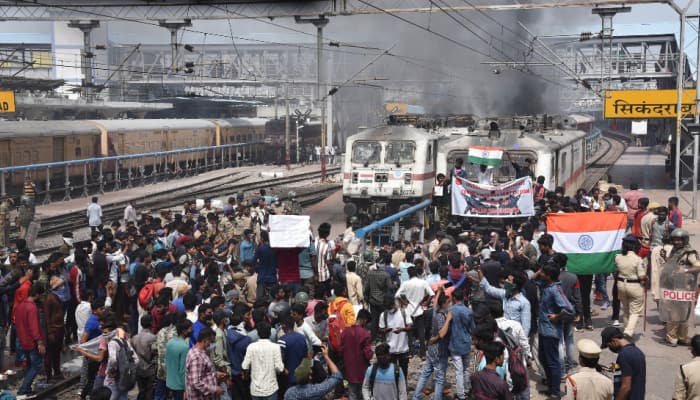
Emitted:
<point x="395" y="323"/>
<point x="130" y="213"/>
<point x="485" y="175"/>
<point x="262" y="363"/>
<point x="94" y="215"/>
<point x="83" y="311"/>
<point x="301" y="326"/>
<point x="416" y="292"/>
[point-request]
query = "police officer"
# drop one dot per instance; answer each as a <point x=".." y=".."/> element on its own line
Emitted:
<point x="588" y="383"/>
<point x="678" y="277"/>
<point x="6" y="206"/>
<point x="688" y="374"/>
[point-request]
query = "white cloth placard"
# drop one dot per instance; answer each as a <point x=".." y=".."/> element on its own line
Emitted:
<point x="289" y="230"/>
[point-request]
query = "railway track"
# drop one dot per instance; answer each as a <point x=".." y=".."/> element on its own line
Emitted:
<point x="214" y="187"/>
<point x="615" y="145"/>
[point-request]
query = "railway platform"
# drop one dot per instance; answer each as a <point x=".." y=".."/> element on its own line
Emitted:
<point x="645" y="166"/>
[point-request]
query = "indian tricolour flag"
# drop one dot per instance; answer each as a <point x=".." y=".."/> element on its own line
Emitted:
<point x="590" y="239"/>
<point x="490" y="156"/>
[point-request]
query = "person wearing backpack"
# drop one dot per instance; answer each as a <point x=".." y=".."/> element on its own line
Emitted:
<point x="120" y="376"/>
<point x="384" y="380"/>
<point x="487" y="384"/>
<point x="513" y="336"/>
<point x="144" y="345"/>
<point x="341" y="315"/>
<point x="395" y="323"/>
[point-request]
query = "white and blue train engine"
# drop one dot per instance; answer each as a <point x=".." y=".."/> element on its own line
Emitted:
<point x="389" y="168"/>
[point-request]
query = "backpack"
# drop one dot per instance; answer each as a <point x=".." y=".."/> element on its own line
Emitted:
<point x="373" y="377"/>
<point x="126" y="366"/>
<point x="147" y="296"/>
<point x="516" y="367"/>
<point x="336" y="325"/>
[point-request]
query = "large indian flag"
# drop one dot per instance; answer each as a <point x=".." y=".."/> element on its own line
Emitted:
<point x="590" y="239"/>
<point x="490" y="156"/>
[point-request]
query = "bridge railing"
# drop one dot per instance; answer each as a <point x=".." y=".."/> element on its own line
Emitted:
<point x="125" y="171"/>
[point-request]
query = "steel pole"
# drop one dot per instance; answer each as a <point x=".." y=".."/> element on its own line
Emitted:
<point x="696" y="138"/>
<point x="297" y="146"/>
<point x="286" y="126"/>
<point x="319" y="75"/>
<point x="679" y="102"/>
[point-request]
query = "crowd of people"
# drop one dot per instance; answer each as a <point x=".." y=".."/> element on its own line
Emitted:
<point x="199" y="305"/>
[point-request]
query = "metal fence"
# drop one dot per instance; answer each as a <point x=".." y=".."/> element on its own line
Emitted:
<point x="126" y="171"/>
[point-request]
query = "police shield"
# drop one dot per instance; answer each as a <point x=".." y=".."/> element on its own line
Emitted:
<point x="677" y="292"/>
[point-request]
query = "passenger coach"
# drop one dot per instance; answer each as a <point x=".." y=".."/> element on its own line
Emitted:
<point x="388" y="168"/>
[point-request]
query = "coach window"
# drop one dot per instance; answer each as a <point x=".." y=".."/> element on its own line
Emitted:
<point x="366" y="153"/>
<point x="400" y="152"/>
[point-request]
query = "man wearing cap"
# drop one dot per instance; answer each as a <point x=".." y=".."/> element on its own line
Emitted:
<point x="688" y="375"/>
<point x="629" y="370"/>
<point x="66" y="248"/>
<point x="588" y="383"/>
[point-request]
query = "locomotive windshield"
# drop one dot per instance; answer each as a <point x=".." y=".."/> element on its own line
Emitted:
<point x="366" y="152"/>
<point x="400" y="152"/>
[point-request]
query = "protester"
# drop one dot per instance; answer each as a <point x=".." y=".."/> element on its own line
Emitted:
<point x="356" y="353"/>
<point x="384" y="380"/>
<point x="630" y="367"/>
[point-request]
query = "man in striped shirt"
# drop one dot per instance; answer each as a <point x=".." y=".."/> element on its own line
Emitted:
<point x="325" y="253"/>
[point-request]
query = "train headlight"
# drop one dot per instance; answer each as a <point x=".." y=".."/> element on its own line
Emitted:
<point x="354" y="177"/>
<point x="407" y="178"/>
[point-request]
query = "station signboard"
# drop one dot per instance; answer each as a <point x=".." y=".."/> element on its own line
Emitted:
<point x="644" y="104"/>
<point x="7" y="101"/>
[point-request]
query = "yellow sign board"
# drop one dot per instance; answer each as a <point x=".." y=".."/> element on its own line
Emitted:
<point x="7" y="101"/>
<point x="396" y="108"/>
<point x="643" y="104"/>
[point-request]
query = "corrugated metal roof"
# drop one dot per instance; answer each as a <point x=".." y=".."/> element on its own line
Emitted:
<point x="12" y="129"/>
<point x="393" y="132"/>
<point x="25" y="37"/>
<point x="252" y="122"/>
<point x="114" y="125"/>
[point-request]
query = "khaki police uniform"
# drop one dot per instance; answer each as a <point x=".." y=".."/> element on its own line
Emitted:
<point x="588" y="383"/>
<point x="688" y="381"/>
<point x="630" y="267"/>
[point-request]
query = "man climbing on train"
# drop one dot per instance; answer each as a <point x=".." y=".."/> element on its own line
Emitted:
<point x="521" y="171"/>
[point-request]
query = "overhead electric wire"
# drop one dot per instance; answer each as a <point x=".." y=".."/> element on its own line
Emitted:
<point x="233" y="37"/>
<point x="451" y="16"/>
<point x="458" y="43"/>
<point x="35" y="2"/>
